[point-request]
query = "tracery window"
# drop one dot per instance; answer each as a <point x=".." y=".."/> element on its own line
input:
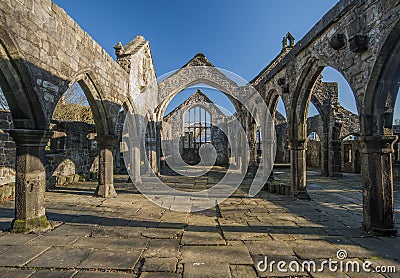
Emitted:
<point x="197" y="128"/>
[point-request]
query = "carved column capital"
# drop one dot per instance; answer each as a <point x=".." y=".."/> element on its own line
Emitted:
<point x="30" y="137"/>
<point x="297" y="144"/>
<point x="377" y="144"/>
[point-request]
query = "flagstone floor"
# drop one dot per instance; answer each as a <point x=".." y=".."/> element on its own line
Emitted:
<point x="129" y="236"/>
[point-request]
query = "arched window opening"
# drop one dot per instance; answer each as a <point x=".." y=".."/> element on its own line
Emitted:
<point x="314" y="136"/>
<point x="74" y="134"/>
<point x="7" y="150"/>
<point x="73" y="106"/>
<point x="3" y="101"/>
<point x="197" y="128"/>
<point x="345" y="93"/>
<point x="281" y="130"/>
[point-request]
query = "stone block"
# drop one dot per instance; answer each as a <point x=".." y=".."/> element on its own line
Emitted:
<point x="9" y="191"/>
<point x="61" y="180"/>
<point x="76" y="178"/>
<point x="70" y="179"/>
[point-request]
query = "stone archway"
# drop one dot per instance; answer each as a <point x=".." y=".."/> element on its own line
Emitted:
<point x="377" y="137"/>
<point x="310" y="89"/>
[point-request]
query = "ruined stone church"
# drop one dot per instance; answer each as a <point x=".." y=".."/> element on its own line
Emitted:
<point x="43" y="52"/>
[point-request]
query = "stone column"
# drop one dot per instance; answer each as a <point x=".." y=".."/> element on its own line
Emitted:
<point x="324" y="156"/>
<point x="134" y="160"/>
<point x="158" y="146"/>
<point x="30" y="180"/>
<point x="376" y="159"/>
<point x="335" y="151"/>
<point x="252" y="137"/>
<point x="153" y="156"/>
<point x="298" y="169"/>
<point x="105" y="187"/>
<point x="335" y="165"/>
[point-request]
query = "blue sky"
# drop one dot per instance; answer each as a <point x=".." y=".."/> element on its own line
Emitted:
<point x="236" y="35"/>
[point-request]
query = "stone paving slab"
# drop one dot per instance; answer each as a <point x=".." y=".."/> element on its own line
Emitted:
<point x="202" y="238"/>
<point x="130" y="243"/>
<point x="16" y="239"/>
<point x="16" y="273"/>
<point x="159" y="275"/>
<point x="313" y="249"/>
<point x="48" y="240"/>
<point x="162" y="248"/>
<point x="159" y="265"/>
<point x="72" y="230"/>
<point x="163" y="233"/>
<point x="379" y="247"/>
<point x="118" y="231"/>
<point x="20" y="255"/>
<point x="118" y="260"/>
<point x="98" y="274"/>
<point x="269" y="248"/>
<point x="92" y="242"/>
<point x="240" y="271"/>
<point x="60" y="257"/>
<point x="215" y="254"/>
<point x="53" y="274"/>
<point x="206" y="270"/>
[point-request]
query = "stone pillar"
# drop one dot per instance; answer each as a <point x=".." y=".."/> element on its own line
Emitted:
<point x="325" y="156"/>
<point x="376" y="159"/>
<point x="335" y="151"/>
<point x="158" y="146"/>
<point x="252" y="136"/>
<point x="30" y="180"/>
<point x="105" y="187"/>
<point x="335" y="165"/>
<point x="298" y="169"/>
<point x="153" y="155"/>
<point x="134" y="160"/>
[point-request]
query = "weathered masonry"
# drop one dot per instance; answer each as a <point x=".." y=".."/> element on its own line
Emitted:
<point x="43" y="52"/>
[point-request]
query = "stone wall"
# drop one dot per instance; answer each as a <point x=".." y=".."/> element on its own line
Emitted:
<point x="72" y="151"/>
<point x="313" y="154"/>
<point x="7" y="157"/>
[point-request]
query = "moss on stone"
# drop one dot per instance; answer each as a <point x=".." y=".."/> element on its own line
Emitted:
<point x="26" y="226"/>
